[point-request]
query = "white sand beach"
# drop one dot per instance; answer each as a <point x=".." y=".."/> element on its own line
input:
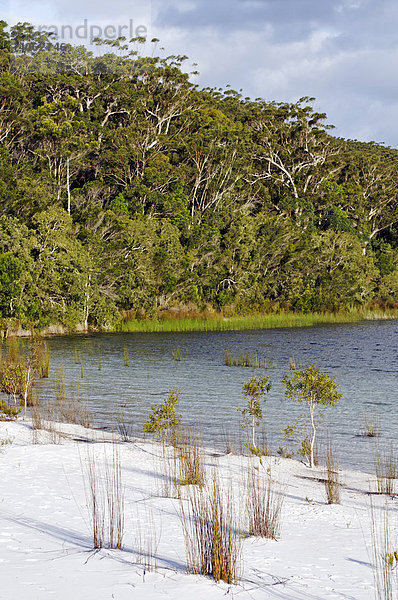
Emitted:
<point x="46" y="546"/>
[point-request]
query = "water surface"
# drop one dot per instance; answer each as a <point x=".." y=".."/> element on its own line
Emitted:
<point x="362" y="357"/>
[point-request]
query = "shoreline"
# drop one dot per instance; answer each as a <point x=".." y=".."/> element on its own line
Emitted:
<point x="217" y="322"/>
<point x="73" y="432"/>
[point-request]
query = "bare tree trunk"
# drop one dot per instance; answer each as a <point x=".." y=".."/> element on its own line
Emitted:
<point x="68" y="183"/>
<point x="312" y="461"/>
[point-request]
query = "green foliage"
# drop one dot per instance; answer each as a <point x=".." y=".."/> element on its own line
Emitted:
<point x="298" y="433"/>
<point x="284" y="452"/>
<point x="163" y="417"/>
<point x="256" y="451"/>
<point x="246" y="359"/>
<point x="119" y="204"/>
<point x="7" y="411"/>
<point x="310" y="385"/>
<point x="125" y="190"/>
<point x="305" y="448"/>
<point x="391" y="559"/>
<point x="12" y="380"/>
<point x="176" y="354"/>
<point x="18" y="372"/>
<point x="252" y="414"/>
<point x="10" y="270"/>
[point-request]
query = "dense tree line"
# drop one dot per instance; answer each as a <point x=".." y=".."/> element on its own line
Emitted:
<point x="125" y="187"/>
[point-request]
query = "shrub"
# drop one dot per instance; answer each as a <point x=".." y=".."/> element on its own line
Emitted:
<point x="8" y="412"/>
<point x="163" y="417"/>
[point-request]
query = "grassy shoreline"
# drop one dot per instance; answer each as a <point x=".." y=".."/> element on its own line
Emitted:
<point x="184" y="322"/>
<point x="258" y="321"/>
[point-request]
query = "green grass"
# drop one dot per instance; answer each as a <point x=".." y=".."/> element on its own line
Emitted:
<point x="246" y="359"/>
<point x="259" y="321"/>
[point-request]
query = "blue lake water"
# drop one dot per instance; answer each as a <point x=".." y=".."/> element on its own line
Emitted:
<point x="362" y="357"/>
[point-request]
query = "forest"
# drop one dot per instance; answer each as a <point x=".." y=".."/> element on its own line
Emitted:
<point x="127" y="190"/>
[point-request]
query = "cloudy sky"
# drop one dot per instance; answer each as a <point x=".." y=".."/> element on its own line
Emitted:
<point x="343" y="52"/>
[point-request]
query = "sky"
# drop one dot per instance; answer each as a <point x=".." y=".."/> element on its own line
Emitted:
<point x="342" y="52"/>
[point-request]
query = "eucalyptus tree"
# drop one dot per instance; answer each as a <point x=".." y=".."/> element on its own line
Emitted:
<point x="372" y="171"/>
<point x="292" y="148"/>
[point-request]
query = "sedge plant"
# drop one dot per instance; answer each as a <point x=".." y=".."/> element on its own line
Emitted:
<point x="211" y="530"/>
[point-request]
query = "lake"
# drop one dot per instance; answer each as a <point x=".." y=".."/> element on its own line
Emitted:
<point x="362" y="357"/>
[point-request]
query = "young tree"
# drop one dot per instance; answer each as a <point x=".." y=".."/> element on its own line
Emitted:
<point x="310" y="385"/>
<point x="252" y="414"/>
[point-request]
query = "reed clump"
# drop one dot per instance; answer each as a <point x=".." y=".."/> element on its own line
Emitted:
<point x="264" y="504"/>
<point x="37" y="419"/>
<point x="211" y="530"/>
<point x="247" y="359"/>
<point x="386" y="468"/>
<point x="126" y="358"/>
<point x="190" y="456"/>
<point x="332" y="480"/>
<point x="105" y="499"/>
<point x="124" y="427"/>
<point x="230" y="443"/>
<point x="147" y="539"/>
<point x="43" y="360"/>
<point x="169" y="467"/>
<point x="371" y="426"/>
<point x="19" y="369"/>
<point x="99" y="358"/>
<point x="68" y="406"/>
<point x="76" y="356"/>
<point x="384" y="554"/>
<point x="176" y="353"/>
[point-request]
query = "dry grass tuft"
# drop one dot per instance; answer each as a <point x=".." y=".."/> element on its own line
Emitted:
<point x="264" y="504"/>
<point x="191" y="458"/>
<point x="124" y="429"/>
<point x="228" y="442"/>
<point x="68" y="406"/>
<point x="147" y="539"/>
<point x="211" y="530"/>
<point x="386" y="467"/>
<point x="105" y="499"/>
<point x="370" y="426"/>
<point x="384" y="554"/>
<point x="332" y="482"/>
<point x="169" y="468"/>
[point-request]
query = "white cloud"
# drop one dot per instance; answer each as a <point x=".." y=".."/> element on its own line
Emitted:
<point x="348" y="62"/>
<point x="343" y="53"/>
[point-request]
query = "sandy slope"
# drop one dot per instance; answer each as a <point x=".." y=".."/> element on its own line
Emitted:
<point x="324" y="551"/>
